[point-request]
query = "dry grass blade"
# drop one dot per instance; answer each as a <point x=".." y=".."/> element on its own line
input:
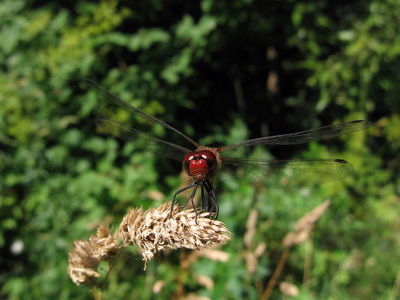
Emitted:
<point x="305" y="225"/>
<point x="252" y="255"/>
<point x="251" y="228"/>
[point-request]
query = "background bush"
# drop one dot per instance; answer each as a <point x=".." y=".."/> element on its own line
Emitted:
<point x="220" y="72"/>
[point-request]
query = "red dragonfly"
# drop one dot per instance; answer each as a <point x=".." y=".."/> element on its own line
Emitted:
<point x="203" y="163"/>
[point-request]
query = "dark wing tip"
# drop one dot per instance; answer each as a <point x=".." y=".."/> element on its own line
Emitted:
<point x="89" y="83"/>
<point x="87" y="80"/>
<point x="365" y="123"/>
<point x="341" y="161"/>
<point x="346" y="166"/>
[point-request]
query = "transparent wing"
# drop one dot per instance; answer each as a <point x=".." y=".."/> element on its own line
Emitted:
<point x="287" y="174"/>
<point x="304" y="136"/>
<point x="135" y="111"/>
<point x="141" y="140"/>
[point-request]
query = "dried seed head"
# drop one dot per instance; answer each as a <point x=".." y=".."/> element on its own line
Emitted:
<point x="105" y="243"/>
<point x="155" y="230"/>
<point x="82" y="263"/>
<point x="86" y="256"/>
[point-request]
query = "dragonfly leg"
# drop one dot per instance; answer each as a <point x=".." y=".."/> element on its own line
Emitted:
<point x="204" y="199"/>
<point x="191" y="198"/>
<point x="209" y="203"/>
<point x="182" y="190"/>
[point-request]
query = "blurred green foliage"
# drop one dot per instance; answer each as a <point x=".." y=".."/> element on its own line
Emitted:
<point x="220" y="72"/>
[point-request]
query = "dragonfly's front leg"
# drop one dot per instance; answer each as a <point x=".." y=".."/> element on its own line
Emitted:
<point x="209" y="202"/>
<point x="195" y="184"/>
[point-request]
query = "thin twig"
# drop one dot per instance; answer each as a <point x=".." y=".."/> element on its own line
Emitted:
<point x="276" y="274"/>
<point x="396" y="285"/>
<point x="308" y="260"/>
<point x="95" y="292"/>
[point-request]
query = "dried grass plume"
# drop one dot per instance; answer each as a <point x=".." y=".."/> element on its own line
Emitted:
<point x="86" y="256"/>
<point x="152" y="230"/>
<point x="155" y="230"/>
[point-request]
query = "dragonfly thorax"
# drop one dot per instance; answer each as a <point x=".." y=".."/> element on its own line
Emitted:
<point x="200" y="165"/>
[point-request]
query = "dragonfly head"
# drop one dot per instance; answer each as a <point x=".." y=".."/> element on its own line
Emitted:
<point x="200" y="165"/>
